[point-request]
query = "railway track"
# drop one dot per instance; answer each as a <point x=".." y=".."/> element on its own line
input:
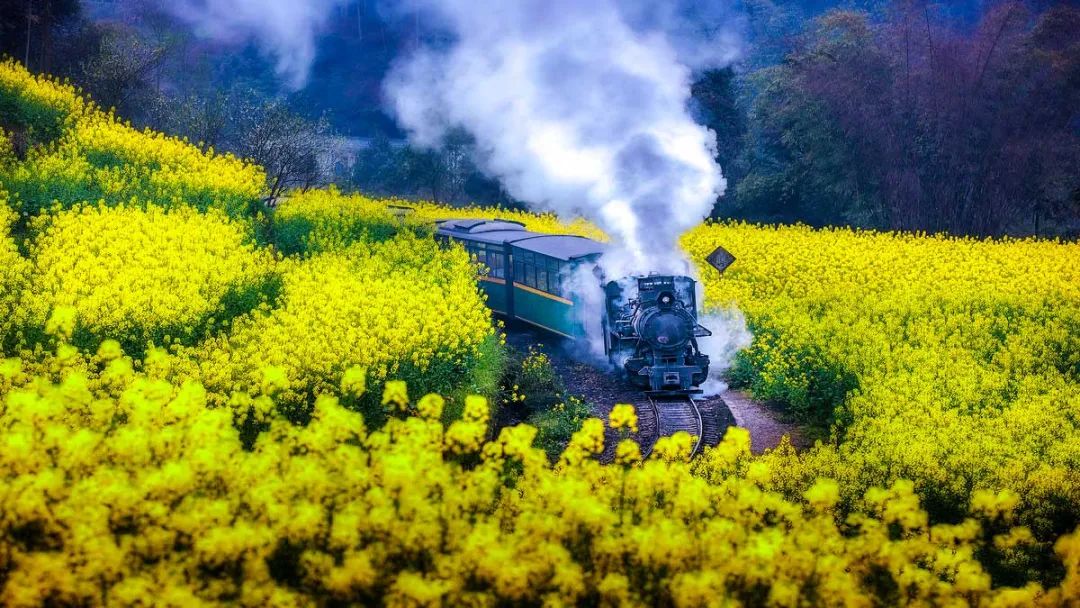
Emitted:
<point x="682" y="414"/>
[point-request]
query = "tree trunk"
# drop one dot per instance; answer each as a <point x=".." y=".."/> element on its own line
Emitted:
<point x="29" y="28"/>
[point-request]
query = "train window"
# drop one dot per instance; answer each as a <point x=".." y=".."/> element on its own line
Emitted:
<point x="553" y="266"/>
<point x="530" y="275"/>
<point x="542" y="280"/>
<point x="483" y="258"/>
<point x="527" y="257"/>
<point x="496" y="260"/>
<point x="519" y="271"/>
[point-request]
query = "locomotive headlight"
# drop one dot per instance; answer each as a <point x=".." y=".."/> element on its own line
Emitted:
<point x="666" y="300"/>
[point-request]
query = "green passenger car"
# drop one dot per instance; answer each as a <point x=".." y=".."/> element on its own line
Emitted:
<point x="526" y="272"/>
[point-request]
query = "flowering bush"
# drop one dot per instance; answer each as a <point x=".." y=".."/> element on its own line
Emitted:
<point x="113" y="496"/>
<point x="325" y="220"/>
<point x="404" y="308"/>
<point x="141" y="275"/>
<point x="95" y="157"/>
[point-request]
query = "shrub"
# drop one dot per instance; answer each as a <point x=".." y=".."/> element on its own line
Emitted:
<point x="92" y="156"/>
<point x="325" y="220"/>
<point x="403" y="308"/>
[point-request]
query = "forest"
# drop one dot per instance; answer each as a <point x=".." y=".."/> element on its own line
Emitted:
<point x="906" y="115"/>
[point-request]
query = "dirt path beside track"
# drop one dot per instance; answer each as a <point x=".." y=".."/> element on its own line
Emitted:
<point x="766" y="428"/>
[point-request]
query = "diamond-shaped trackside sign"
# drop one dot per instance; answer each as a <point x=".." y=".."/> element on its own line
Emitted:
<point x="720" y="259"/>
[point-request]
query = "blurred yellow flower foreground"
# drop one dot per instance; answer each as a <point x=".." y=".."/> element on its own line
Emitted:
<point x="128" y="489"/>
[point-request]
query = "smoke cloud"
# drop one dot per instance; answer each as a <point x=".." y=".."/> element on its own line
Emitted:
<point x="283" y="29"/>
<point x="729" y="336"/>
<point x="578" y="107"/>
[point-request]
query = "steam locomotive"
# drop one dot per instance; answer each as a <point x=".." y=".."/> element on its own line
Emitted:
<point x="656" y="332"/>
<point x="649" y="323"/>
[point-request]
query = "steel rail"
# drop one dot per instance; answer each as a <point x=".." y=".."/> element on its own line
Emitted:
<point x="659" y="417"/>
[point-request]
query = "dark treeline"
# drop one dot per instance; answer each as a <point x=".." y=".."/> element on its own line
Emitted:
<point x="905" y="114"/>
<point x="909" y="122"/>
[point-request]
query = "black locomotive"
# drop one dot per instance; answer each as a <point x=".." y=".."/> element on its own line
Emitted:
<point x="655" y="331"/>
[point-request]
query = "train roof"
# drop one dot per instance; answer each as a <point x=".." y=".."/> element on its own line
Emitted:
<point x="560" y="246"/>
<point x="474" y="226"/>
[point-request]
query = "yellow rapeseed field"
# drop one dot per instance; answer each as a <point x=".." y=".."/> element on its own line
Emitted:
<point x="189" y="416"/>
<point x="427" y="213"/>
<point x="143" y="491"/>
<point x="399" y="309"/>
<point x="87" y="155"/>
<point x="141" y="275"/>
<point x="13" y="267"/>
<point x="325" y="220"/>
<point x="322" y="220"/>
<point x="954" y="363"/>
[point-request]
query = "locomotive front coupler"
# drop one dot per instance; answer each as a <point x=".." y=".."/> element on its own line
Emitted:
<point x="674" y="392"/>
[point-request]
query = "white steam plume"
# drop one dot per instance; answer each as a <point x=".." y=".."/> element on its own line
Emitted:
<point x="729" y="336"/>
<point x="283" y="29"/>
<point x="579" y="107"/>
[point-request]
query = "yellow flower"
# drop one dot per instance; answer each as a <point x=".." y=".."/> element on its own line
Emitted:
<point x="354" y="382"/>
<point x="396" y="395"/>
<point x="824" y="494"/>
<point x="627" y="452"/>
<point x="674" y="447"/>
<point x="624" y="416"/>
<point x="61" y="322"/>
<point x="430" y="406"/>
<point x="109" y="350"/>
<point x="476" y="409"/>
<point x="994" y="504"/>
<point x="274" y="380"/>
